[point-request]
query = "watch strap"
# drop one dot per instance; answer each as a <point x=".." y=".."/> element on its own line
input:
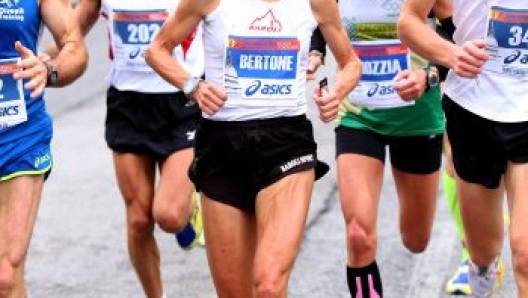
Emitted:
<point x="51" y="75"/>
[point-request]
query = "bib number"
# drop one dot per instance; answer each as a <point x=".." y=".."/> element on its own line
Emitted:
<point x="507" y="41"/>
<point x="12" y="103"/>
<point x="133" y="32"/>
<point x="381" y="60"/>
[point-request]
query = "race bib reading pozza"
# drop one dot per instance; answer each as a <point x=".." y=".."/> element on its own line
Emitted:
<point x="381" y="61"/>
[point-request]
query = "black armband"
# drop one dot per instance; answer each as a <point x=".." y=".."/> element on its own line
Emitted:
<point x="318" y="43"/>
<point x="446" y="29"/>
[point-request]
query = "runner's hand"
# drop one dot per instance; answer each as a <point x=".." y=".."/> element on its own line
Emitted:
<point x="328" y="104"/>
<point x="314" y="61"/>
<point x="31" y="68"/>
<point x="470" y="58"/>
<point x="410" y="85"/>
<point x="210" y="98"/>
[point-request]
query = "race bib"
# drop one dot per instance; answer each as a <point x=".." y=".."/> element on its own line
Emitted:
<point x="507" y="41"/>
<point x="133" y="32"/>
<point x="381" y="61"/>
<point x="261" y="71"/>
<point x="12" y="104"/>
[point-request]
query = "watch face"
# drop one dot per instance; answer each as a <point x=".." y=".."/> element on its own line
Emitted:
<point x="433" y="78"/>
<point x="54" y="77"/>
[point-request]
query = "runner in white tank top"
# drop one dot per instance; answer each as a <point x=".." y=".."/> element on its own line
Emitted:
<point x="150" y="126"/>
<point x="128" y="40"/>
<point x="255" y="152"/>
<point x="486" y="107"/>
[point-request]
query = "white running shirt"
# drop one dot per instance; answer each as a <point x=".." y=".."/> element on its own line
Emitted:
<point x="500" y="93"/>
<point x="131" y="25"/>
<point x="257" y="51"/>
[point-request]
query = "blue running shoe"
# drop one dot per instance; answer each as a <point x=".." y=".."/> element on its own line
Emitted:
<point x="192" y="234"/>
<point x="458" y="284"/>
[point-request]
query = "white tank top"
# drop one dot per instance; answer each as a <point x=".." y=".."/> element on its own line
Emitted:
<point x="132" y="24"/>
<point x="257" y="51"/>
<point x="500" y="93"/>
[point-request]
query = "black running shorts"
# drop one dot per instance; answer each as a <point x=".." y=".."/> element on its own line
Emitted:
<point x="410" y="154"/>
<point x="481" y="148"/>
<point x="156" y="125"/>
<point x="235" y="160"/>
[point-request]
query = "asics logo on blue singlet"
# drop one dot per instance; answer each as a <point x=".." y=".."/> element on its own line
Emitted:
<point x="42" y="159"/>
<point x="9" y="3"/>
<point x="268" y="89"/>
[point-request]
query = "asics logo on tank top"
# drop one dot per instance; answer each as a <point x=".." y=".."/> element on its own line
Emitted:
<point x="378" y="89"/>
<point x="10" y="12"/>
<point x="266" y="23"/>
<point x="268" y="89"/>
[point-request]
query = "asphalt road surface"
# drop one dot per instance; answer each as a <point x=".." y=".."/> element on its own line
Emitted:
<point x="79" y="247"/>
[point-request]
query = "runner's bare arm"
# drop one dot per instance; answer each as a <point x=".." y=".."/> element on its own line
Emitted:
<point x="412" y="29"/>
<point x="465" y="60"/>
<point x="87" y="13"/>
<point x="72" y="58"/>
<point x="175" y="29"/>
<point x="443" y="9"/>
<point x="348" y="63"/>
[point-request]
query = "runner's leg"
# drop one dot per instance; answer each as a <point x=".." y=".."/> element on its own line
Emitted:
<point x="135" y="177"/>
<point x="19" y="202"/>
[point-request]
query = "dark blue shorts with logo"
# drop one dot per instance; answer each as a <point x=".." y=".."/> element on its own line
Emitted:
<point x="28" y="155"/>
<point x="235" y="160"/>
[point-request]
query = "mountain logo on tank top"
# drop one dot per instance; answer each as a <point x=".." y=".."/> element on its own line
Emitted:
<point x="9" y="3"/>
<point x="266" y="23"/>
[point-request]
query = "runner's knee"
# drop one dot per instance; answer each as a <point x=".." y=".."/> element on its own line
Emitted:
<point x="362" y="239"/>
<point x="139" y="224"/>
<point x="169" y="221"/>
<point x="7" y="276"/>
<point x="415" y="242"/>
<point x="519" y="247"/>
<point x="268" y="283"/>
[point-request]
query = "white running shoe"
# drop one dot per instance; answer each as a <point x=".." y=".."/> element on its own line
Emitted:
<point x="484" y="281"/>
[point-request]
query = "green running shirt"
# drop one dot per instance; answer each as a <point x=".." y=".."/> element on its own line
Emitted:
<point x="375" y="20"/>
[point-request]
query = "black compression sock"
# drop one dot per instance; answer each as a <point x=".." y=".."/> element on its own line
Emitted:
<point x="365" y="282"/>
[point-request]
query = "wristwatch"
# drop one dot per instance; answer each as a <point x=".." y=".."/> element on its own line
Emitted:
<point x="52" y="76"/>
<point x="432" y="78"/>
<point x="190" y="86"/>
